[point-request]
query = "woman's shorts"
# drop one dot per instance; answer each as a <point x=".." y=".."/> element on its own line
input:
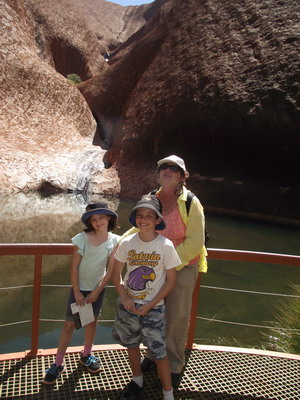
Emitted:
<point x="131" y="329"/>
<point x="96" y="305"/>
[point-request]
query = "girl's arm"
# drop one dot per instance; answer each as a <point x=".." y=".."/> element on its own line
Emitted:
<point x="164" y="291"/>
<point x="93" y="296"/>
<point x="75" y="262"/>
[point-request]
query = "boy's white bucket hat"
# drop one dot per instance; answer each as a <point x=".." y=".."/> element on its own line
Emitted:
<point x="173" y="159"/>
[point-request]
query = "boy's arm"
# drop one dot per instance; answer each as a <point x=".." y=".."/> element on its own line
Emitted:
<point x="164" y="291"/>
<point x="76" y="258"/>
<point x="117" y="279"/>
<point x="93" y="296"/>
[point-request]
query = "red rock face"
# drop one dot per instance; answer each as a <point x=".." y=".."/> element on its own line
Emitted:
<point x="45" y="123"/>
<point x="73" y="36"/>
<point x="46" y="126"/>
<point x="217" y="82"/>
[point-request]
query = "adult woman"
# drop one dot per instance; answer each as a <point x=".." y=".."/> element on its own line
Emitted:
<point x="186" y="231"/>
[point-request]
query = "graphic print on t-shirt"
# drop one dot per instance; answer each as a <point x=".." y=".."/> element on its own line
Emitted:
<point x="138" y="278"/>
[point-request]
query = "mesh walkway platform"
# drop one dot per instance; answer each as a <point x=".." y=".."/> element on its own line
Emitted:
<point x="212" y="373"/>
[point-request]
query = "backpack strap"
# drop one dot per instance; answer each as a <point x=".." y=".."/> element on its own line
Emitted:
<point x="188" y="202"/>
<point x="190" y="196"/>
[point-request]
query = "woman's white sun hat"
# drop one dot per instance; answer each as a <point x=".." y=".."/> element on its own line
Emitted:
<point x="173" y="159"/>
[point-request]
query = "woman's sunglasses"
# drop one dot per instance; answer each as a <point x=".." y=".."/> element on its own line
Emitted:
<point x="171" y="167"/>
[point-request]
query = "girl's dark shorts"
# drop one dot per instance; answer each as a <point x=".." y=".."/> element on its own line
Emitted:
<point x="96" y="305"/>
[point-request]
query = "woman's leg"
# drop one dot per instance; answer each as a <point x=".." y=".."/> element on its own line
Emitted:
<point x="178" y="308"/>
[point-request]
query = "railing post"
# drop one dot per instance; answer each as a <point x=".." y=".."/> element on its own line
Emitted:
<point x="192" y="326"/>
<point x="35" y="322"/>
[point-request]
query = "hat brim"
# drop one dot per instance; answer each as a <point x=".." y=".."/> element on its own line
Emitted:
<point x="132" y="216"/>
<point x="173" y="161"/>
<point x="89" y="213"/>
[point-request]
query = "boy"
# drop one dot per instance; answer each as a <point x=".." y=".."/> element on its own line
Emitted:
<point x="151" y="261"/>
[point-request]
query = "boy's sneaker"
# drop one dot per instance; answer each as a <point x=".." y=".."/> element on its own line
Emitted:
<point x="52" y="374"/>
<point x="132" y="392"/>
<point x="91" y="362"/>
<point x="147" y="365"/>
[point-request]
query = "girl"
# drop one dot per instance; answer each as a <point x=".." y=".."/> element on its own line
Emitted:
<point x="89" y="277"/>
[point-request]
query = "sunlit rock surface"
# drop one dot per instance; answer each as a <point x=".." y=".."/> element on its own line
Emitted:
<point x="46" y="127"/>
<point x="45" y="123"/>
<point x="73" y="35"/>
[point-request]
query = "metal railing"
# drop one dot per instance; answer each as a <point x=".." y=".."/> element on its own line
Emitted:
<point x="236" y="255"/>
<point x="40" y="250"/>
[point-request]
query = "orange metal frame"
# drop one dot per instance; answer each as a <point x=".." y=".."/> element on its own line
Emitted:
<point x="235" y="255"/>
<point x="40" y="250"/>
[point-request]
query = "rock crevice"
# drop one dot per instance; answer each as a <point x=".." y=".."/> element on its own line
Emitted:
<point x="215" y="82"/>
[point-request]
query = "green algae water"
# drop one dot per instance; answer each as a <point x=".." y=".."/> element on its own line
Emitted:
<point x="32" y="218"/>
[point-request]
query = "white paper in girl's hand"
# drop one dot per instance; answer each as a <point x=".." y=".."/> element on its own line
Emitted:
<point x="83" y="315"/>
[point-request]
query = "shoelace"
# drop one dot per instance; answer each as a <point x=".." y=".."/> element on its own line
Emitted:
<point x="91" y="360"/>
<point x="53" y="370"/>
